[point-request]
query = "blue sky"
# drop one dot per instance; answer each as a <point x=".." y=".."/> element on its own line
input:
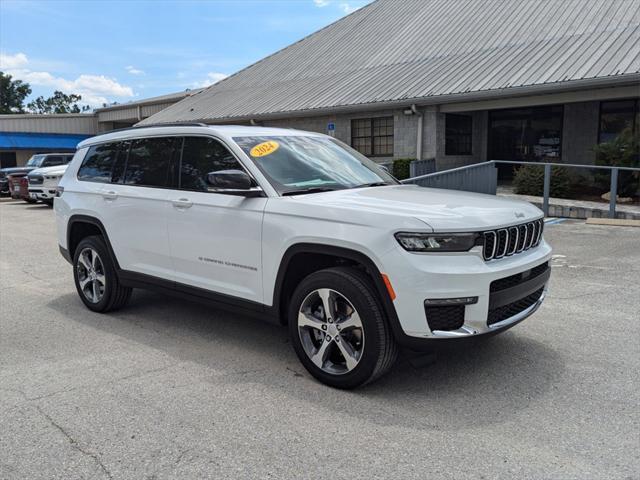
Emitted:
<point x="122" y="50"/>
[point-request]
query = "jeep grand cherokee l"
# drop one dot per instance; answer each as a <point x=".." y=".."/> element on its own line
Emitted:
<point x="299" y="227"/>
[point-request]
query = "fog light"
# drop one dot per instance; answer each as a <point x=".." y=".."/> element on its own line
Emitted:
<point x="443" y="302"/>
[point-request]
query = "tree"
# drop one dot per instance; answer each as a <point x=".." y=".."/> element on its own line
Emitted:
<point x="12" y="94"/>
<point x="59" y="103"/>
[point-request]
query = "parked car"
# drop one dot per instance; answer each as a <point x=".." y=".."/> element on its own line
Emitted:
<point x="18" y="187"/>
<point x="43" y="183"/>
<point x="4" y="180"/>
<point x="298" y="227"/>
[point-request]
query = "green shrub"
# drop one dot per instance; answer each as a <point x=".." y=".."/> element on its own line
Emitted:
<point x="624" y="151"/>
<point x="401" y="169"/>
<point x="529" y="180"/>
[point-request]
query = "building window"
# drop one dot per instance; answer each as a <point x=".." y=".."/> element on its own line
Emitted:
<point x="616" y="117"/>
<point x="373" y="137"/>
<point x="458" y="134"/>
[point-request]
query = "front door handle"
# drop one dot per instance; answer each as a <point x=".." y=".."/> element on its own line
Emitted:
<point x="109" y="194"/>
<point x="182" y="203"/>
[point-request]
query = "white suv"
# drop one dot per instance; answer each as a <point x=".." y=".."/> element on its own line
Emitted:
<point x="298" y="227"/>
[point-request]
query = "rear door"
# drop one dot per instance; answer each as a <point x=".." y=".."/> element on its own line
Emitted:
<point x="215" y="238"/>
<point x="135" y="205"/>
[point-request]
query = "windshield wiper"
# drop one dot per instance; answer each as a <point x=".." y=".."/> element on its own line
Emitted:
<point x="302" y="191"/>
<point x="373" y="184"/>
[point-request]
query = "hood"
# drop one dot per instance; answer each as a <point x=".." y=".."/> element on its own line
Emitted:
<point x="442" y="210"/>
<point x="55" y="170"/>
<point x="12" y="170"/>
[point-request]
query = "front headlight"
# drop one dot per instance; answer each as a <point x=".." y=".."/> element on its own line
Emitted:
<point x="433" y="242"/>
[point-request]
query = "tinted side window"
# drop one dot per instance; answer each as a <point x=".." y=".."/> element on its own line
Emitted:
<point x="149" y="161"/>
<point x="117" y="172"/>
<point x="98" y="163"/>
<point x="52" y="161"/>
<point x="201" y="156"/>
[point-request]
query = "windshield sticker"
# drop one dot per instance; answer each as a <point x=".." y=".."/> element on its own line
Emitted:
<point x="264" y="148"/>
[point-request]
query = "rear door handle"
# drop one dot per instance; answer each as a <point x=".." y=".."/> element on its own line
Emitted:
<point x="182" y="203"/>
<point x="109" y="195"/>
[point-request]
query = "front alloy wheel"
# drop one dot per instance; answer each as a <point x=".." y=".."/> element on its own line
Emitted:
<point x="331" y="331"/>
<point x="339" y="329"/>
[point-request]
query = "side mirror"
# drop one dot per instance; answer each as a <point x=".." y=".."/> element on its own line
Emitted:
<point x="233" y="182"/>
<point x="385" y="168"/>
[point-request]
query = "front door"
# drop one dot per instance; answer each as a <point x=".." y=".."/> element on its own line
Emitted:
<point x="525" y="134"/>
<point x="215" y="238"/>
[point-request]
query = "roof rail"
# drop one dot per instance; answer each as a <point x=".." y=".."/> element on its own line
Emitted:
<point x="172" y="124"/>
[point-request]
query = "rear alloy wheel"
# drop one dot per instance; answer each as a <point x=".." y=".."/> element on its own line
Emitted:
<point x="90" y="272"/>
<point x="96" y="278"/>
<point x="338" y="328"/>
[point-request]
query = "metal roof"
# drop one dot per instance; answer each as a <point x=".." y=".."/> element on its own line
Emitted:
<point x="160" y="99"/>
<point x="431" y="51"/>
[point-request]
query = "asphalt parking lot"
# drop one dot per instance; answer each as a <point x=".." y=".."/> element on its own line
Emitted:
<point x="169" y="389"/>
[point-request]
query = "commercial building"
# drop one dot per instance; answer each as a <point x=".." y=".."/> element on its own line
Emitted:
<point x="457" y="81"/>
<point x="23" y="135"/>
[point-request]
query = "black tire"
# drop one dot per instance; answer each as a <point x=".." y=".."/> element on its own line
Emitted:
<point x="380" y="350"/>
<point x="30" y="200"/>
<point x="48" y="201"/>
<point x="114" y="295"/>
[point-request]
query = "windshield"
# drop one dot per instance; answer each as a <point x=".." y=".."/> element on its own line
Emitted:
<point x="300" y="164"/>
<point x="35" y="161"/>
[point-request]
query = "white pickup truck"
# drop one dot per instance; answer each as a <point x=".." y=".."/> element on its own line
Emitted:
<point x="43" y="182"/>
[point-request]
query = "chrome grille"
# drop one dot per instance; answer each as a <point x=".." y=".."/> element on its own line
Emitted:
<point x="35" y="179"/>
<point x="505" y="242"/>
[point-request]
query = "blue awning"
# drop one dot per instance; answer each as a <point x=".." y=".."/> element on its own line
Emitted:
<point x="39" y="141"/>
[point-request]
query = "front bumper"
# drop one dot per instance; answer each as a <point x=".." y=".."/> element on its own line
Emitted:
<point x="40" y="193"/>
<point x="417" y="277"/>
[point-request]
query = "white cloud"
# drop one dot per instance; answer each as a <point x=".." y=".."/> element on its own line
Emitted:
<point x="347" y="8"/>
<point x="94" y="89"/>
<point x="212" y="77"/>
<point x="19" y="60"/>
<point x="134" y="71"/>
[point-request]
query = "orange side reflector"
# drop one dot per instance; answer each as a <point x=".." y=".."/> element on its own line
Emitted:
<point x="387" y="284"/>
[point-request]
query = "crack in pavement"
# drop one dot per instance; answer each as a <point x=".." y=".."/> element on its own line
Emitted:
<point x="182" y="454"/>
<point x="75" y="445"/>
<point x="100" y="384"/>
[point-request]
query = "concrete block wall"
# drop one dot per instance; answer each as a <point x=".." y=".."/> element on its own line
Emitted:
<point x="404" y="135"/>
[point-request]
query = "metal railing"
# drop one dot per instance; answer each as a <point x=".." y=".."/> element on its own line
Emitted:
<point x="422" y="167"/>
<point x="479" y="177"/>
<point x="483" y="178"/>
